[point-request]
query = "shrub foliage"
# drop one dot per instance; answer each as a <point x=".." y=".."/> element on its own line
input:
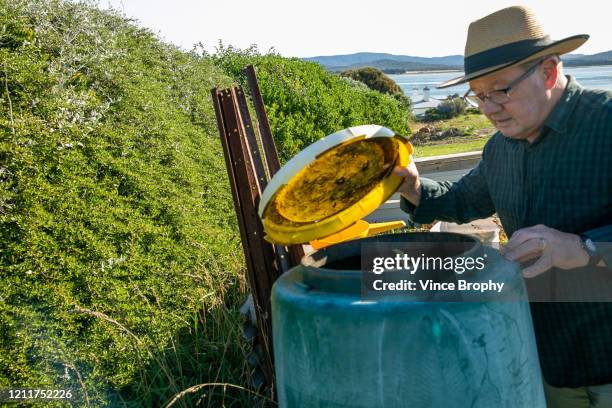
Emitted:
<point x="378" y="81"/>
<point x="304" y="102"/>
<point x="447" y="109"/>
<point x="120" y="258"/>
<point x="374" y="79"/>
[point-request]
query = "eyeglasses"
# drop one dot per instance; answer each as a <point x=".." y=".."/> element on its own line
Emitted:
<point x="500" y="96"/>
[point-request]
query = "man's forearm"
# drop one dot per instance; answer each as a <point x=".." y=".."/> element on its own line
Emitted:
<point x="413" y="196"/>
<point x="446" y="201"/>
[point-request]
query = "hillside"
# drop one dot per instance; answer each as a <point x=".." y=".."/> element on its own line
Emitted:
<point x="393" y="64"/>
<point x="120" y="258"/>
<point x="395" y="67"/>
<point x="360" y="58"/>
<point x="602" y="58"/>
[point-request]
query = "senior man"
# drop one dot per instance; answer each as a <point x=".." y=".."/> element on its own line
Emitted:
<point x="547" y="173"/>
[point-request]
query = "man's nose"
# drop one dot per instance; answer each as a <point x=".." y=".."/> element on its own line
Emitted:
<point x="490" y="108"/>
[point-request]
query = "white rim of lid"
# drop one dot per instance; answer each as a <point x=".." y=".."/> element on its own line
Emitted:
<point x="310" y="153"/>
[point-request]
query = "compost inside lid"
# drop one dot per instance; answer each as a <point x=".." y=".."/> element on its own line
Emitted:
<point x="332" y="184"/>
<point x="336" y="180"/>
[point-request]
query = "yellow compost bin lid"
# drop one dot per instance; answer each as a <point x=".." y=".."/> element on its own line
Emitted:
<point x="332" y="184"/>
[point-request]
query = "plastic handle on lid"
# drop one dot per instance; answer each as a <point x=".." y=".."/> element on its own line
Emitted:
<point x="380" y="227"/>
<point x="359" y="229"/>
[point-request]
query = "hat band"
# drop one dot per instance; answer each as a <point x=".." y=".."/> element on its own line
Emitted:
<point x="504" y="54"/>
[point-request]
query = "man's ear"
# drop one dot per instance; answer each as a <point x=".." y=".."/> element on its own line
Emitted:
<point x="550" y="68"/>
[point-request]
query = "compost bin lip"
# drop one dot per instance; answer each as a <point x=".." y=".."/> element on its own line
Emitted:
<point x="338" y="268"/>
<point x="335" y="254"/>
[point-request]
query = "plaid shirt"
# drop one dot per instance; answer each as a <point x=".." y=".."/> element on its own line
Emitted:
<point x="564" y="181"/>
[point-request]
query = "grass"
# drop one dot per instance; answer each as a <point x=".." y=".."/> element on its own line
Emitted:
<point x="472" y="124"/>
<point x="441" y="149"/>
<point x="476" y="129"/>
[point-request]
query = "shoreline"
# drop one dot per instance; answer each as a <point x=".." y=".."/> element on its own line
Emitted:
<point x="435" y="71"/>
<point x="444" y="71"/>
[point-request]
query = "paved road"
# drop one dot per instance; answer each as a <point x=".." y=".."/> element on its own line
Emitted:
<point x="453" y="175"/>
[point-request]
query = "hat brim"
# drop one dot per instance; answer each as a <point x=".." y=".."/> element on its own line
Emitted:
<point x="558" y="47"/>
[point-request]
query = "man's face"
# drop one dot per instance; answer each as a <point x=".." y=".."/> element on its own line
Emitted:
<point x="523" y="115"/>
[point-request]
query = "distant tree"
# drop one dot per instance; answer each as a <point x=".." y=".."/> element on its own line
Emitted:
<point x="449" y="108"/>
<point x="452" y="107"/>
<point x="374" y="79"/>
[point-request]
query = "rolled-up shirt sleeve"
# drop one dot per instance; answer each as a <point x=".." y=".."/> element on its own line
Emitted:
<point x="460" y="202"/>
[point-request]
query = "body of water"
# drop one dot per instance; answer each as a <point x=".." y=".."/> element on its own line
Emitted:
<point x="596" y="77"/>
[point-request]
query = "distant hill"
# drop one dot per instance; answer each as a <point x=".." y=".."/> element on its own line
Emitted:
<point x="568" y="57"/>
<point x="602" y="58"/>
<point x="368" y="57"/>
<point x="388" y="63"/>
<point x="392" y="64"/>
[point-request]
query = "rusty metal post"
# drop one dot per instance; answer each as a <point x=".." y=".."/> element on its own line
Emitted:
<point x="296" y="252"/>
<point x="262" y="269"/>
<point x="249" y="171"/>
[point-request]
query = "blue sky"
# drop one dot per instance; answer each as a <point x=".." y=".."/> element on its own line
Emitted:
<point x="327" y="27"/>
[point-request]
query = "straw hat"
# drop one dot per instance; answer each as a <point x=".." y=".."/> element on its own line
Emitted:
<point x="508" y="37"/>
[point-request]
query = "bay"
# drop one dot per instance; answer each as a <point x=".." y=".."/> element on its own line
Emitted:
<point x="594" y="77"/>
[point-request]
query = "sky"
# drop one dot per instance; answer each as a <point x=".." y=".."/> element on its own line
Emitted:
<point x="329" y="27"/>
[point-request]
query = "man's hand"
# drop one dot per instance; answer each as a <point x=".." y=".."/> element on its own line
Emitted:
<point x="553" y="248"/>
<point x="411" y="187"/>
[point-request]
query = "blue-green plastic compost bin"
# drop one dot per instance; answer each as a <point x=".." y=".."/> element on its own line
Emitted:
<point x="334" y="349"/>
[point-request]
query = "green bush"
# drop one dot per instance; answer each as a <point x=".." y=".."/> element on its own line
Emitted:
<point x="118" y="244"/>
<point x="304" y="102"/>
<point x="120" y="258"/>
<point x="375" y="79"/>
<point x="449" y="108"/>
<point x="452" y="107"/>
